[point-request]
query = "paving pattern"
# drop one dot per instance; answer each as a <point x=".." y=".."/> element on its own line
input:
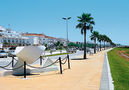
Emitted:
<point x="106" y="79"/>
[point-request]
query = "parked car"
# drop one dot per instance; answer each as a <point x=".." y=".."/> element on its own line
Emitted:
<point x="53" y="50"/>
<point x="72" y="50"/>
<point x="11" y="53"/>
<point x="3" y="54"/>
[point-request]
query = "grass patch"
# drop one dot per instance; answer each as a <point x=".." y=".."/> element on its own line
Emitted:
<point x="127" y="52"/>
<point x="119" y="69"/>
<point x="56" y="54"/>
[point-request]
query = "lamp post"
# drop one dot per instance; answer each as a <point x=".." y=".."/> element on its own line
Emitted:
<point x="67" y="31"/>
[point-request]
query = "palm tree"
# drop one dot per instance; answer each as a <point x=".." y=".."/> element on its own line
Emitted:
<point x="85" y="23"/>
<point x="108" y="40"/>
<point x="100" y="39"/>
<point x="104" y="40"/>
<point x="112" y="44"/>
<point x="94" y="37"/>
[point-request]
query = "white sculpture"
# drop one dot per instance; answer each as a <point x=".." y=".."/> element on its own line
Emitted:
<point x="30" y="54"/>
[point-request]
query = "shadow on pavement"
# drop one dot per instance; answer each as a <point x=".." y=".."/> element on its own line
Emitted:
<point x="78" y="59"/>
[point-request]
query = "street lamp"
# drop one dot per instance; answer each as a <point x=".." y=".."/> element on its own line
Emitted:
<point x="67" y="30"/>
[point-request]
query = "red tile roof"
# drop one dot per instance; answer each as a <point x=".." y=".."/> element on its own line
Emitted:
<point x="33" y="34"/>
<point x="40" y="35"/>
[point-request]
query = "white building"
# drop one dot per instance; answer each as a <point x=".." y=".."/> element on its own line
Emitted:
<point x="10" y="38"/>
<point x="44" y="39"/>
<point x="63" y="41"/>
<point x="31" y="36"/>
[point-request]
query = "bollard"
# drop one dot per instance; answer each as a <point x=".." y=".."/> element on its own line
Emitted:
<point x="68" y="62"/>
<point x="24" y="69"/>
<point x="60" y="65"/>
<point x="12" y="60"/>
<point x="40" y="60"/>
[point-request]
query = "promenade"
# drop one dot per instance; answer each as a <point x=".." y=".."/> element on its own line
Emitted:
<point x="83" y="75"/>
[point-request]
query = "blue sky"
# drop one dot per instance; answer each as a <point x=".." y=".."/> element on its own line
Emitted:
<point x="45" y="16"/>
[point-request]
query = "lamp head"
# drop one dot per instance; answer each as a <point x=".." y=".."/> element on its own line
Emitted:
<point x="64" y="18"/>
<point x="69" y="18"/>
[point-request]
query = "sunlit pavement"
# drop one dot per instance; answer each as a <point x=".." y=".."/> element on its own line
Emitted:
<point x="83" y="75"/>
<point x="5" y="61"/>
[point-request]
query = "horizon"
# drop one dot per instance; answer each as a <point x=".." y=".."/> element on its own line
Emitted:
<point x="111" y="17"/>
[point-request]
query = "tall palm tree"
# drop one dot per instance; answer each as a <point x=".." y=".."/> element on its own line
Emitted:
<point x="94" y="37"/>
<point x="100" y="39"/>
<point x="85" y="23"/>
<point x="108" y="40"/>
<point x="104" y="40"/>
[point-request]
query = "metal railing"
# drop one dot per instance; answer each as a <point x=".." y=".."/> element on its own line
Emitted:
<point x="61" y="62"/>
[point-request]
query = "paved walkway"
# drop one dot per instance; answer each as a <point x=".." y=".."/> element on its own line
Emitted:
<point x="83" y="75"/>
<point x="106" y="79"/>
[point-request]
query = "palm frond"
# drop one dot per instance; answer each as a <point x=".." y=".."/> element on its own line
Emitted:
<point x="92" y="22"/>
<point x="85" y="22"/>
<point x="82" y="31"/>
<point x="79" y="19"/>
<point x="92" y="37"/>
<point x="91" y="28"/>
<point x="80" y="25"/>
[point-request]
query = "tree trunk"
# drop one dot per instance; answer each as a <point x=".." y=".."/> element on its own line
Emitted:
<point x="85" y="44"/>
<point x="100" y="45"/>
<point x="95" y="46"/>
<point x="104" y="45"/>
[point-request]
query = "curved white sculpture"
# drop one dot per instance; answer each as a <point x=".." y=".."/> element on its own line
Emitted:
<point x="29" y="53"/>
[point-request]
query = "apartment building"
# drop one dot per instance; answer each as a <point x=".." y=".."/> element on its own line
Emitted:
<point x="43" y="39"/>
<point x="9" y="38"/>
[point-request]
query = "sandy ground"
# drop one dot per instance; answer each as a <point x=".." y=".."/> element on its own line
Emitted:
<point x="83" y="75"/>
